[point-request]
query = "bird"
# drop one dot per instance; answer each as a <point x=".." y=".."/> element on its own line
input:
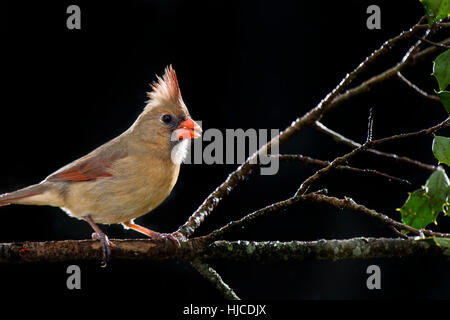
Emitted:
<point x="128" y="176"/>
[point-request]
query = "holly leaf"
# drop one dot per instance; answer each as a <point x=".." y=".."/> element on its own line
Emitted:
<point x="436" y="9"/>
<point x="440" y="242"/>
<point x="441" y="70"/>
<point x="441" y="149"/>
<point x="424" y="205"/>
<point x="417" y="211"/>
<point x="445" y="99"/>
<point x="437" y="187"/>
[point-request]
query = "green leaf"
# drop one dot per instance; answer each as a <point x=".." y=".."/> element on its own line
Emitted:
<point x="424" y="205"/>
<point x="436" y="9"/>
<point x="417" y="211"/>
<point x="441" y="69"/>
<point x="445" y="99"/>
<point x="441" y="149"/>
<point x="440" y="242"/>
<point x="437" y="188"/>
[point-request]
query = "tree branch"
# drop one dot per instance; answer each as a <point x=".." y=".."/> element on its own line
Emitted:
<point x="239" y="224"/>
<point x="210" y="274"/>
<point x="89" y="250"/>
<point x="323" y="163"/>
<point x="341" y="139"/>
<point x="437" y="24"/>
<point x="349" y="203"/>
<point x="367" y="85"/>
<point x="333" y="250"/>
<point x="399" y="136"/>
<point x="331" y="100"/>
<point x="417" y="89"/>
<point x="146" y="250"/>
<point x="440" y="45"/>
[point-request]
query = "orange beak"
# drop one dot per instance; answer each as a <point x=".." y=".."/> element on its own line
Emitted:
<point x="188" y="129"/>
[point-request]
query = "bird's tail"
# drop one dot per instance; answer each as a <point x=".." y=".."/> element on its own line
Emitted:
<point x="22" y="196"/>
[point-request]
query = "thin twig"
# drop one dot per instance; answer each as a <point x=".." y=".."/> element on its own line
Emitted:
<point x="415" y="47"/>
<point x="369" y="144"/>
<point x="417" y="89"/>
<point x="333" y="164"/>
<point x="240" y="224"/>
<point x="210" y="274"/>
<point x="366" y="86"/>
<point x="349" y="203"/>
<point x="422" y="132"/>
<point x="438" y="24"/>
<point x="433" y="43"/>
<point x="401" y="235"/>
<point x="344" y="140"/>
<point x="370" y="126"/>
<point x="323" y="163"/>
<point x="443" y="24"/>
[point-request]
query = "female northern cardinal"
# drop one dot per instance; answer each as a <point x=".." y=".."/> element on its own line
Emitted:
<point x="129" y="175"/>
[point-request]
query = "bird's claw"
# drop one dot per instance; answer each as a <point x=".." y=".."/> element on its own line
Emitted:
<point x="173" y="237"/>
<point x="106" y="246"/>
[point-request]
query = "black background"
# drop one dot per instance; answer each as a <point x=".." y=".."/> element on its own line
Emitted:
<point x="255" y="64"/>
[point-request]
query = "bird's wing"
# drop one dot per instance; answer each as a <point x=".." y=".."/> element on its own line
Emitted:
<point x="87" y="168"/>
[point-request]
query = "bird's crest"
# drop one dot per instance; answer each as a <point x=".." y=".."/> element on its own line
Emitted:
<point x="166" y="89"/>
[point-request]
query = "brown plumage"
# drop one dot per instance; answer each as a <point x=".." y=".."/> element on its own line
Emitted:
<point x="128" y="176"/>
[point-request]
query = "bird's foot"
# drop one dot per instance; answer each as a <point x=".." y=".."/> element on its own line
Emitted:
<point x="106" y="246"/>
<point x="174" y="237"/>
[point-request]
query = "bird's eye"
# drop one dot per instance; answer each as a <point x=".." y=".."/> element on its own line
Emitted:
<point x="166" y="118"/>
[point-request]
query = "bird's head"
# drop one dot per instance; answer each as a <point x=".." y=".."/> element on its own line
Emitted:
<point x="166" y="118"/>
